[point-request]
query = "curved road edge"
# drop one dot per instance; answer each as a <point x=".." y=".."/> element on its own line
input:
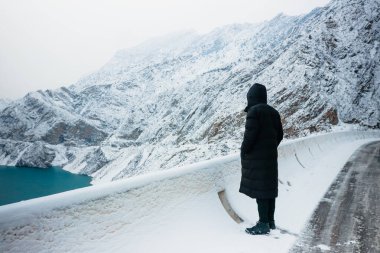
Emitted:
<point x="348" y="217"/>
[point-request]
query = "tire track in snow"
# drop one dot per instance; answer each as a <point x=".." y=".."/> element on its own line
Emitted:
<point x="348" y="217"/>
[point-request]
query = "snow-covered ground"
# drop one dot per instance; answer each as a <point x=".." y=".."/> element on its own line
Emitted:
<point x="178" y="210"/>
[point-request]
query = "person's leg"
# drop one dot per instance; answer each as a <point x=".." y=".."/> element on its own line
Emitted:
<point x="263" y="209"/>
<point x="271" y="209"/>
<point x="261" y="227"/>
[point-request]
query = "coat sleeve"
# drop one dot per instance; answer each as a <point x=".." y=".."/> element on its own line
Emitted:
<point x="280" y="131"/>
<point x="250" y="133"/>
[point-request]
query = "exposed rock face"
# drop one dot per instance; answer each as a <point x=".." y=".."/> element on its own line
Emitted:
<point x="179" y="99"/>
<point x="94" y="161"/>
<point x="78" y="132"/>
<point x="36" y="155"/>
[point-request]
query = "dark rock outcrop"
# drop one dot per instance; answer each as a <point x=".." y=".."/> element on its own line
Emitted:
<point x="36" y="155"/>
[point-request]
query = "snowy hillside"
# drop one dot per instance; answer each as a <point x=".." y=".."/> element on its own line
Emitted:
<point x="179" y="99"/>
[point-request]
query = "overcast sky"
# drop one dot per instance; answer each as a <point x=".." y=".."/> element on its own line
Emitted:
<point x="45" y="44"/>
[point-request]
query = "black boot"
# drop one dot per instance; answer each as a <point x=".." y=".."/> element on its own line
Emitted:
<point x="261" y="228"/>
<point x="272" y="225"/>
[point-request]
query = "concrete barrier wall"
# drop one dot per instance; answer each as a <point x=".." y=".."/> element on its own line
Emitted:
<point x="307" y="167"/>
<point x="141" y="196"/>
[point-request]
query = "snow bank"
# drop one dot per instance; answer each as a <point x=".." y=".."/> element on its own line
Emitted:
<point x="179" y="209"/>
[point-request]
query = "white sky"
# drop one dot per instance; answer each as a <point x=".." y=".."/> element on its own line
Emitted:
<point x="46" y="44"/>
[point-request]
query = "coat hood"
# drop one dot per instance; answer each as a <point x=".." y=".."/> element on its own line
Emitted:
<point x="257" y="94"/>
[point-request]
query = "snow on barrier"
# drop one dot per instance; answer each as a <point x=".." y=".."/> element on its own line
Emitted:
<point x="120" y="210"/>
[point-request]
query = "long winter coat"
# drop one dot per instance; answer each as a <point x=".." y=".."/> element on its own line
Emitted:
<point x="263" y="133"/>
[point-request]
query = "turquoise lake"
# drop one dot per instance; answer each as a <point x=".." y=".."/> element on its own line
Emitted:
<point x="21" y="183"/>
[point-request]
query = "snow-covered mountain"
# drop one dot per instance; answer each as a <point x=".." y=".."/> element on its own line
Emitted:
<point x="180" y="98"/>
<point x="4" y="103"/>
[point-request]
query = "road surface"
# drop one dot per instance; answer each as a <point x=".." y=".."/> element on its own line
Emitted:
<point x="348" y="217"/>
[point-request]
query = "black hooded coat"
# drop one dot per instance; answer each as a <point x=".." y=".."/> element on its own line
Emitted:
<point x="263" y="133"/>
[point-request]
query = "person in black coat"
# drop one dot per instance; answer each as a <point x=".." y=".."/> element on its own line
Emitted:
<point x="263" y="133"/>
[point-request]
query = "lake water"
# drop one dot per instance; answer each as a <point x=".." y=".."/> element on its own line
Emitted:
<point x="21" y="183"/>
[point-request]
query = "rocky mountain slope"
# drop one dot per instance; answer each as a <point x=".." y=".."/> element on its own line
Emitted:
<point x="180" y="98"/>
